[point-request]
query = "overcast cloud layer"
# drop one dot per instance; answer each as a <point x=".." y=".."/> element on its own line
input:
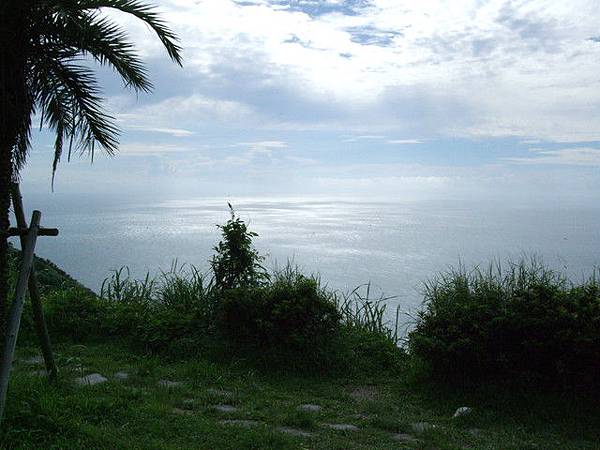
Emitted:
<point x="392" y="98"/>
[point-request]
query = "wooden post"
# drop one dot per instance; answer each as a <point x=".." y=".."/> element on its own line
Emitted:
<point x="34" y="293"/>
<point x="16" y="309"/>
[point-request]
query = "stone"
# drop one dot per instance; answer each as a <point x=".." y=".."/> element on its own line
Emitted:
<point x="170" y="384"/>
<point x="121" y="376"/>
<point x="38" y="373"/>
<point x="182" y="412"/>
<point x="91" y="380"/>
<point x="240" y="422"/>
<point x="220" y="393"/>
<point x="462" y="411"/>
<point x="34" y="360"/>
<point x="422" y="427"/>
<point x="364" y="393"/>
<point x="309" y="408"/>
<point x="342" y="426"/>
<point x="294" y="432"/>
<point x="404" y="437"/>
<point x="225" y="408"/>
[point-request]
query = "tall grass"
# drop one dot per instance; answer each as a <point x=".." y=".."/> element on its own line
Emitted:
<point x="180" y="286"/>
<point x="360" y="310"/>
<point x="123" y="288"/>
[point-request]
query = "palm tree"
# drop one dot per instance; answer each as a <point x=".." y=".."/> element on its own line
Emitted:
<point x="44" y="48"/>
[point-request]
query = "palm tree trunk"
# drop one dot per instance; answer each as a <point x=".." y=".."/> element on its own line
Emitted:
<point x="13" y="119"/>
<point x="5" y="179"/>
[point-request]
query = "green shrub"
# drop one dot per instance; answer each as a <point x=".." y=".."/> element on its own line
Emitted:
<point x="236" y="263"/>
<point x="527" y="324"/>
<point x="291" y="316"/>
<point x="74" y="313"/>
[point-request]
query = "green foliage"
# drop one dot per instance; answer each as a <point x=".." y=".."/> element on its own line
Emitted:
<point x="365" y="352"/>
<point x="291" y="316"/>
<point x="49" y="276"/>
<point x="74" y="313"/>
<point x="526" y="323"/>
<point x="174" y="308"/>
<point x="236" y="263"/>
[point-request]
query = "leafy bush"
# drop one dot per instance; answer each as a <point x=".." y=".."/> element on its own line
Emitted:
<point x="526" y="323"/>
<point x="74" y="313"/>
<point x="236" y="263"/>
<point x="292" y="315"/>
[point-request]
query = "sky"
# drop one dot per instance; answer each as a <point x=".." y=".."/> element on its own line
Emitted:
<point x="493" y="100"/>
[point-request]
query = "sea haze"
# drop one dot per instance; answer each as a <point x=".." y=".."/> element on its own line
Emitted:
<point x="393" y="245"/>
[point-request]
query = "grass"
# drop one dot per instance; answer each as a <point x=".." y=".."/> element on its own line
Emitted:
<point x="138" y="414"/>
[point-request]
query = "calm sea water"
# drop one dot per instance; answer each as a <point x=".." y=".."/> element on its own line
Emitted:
<point x="395" y="246"/>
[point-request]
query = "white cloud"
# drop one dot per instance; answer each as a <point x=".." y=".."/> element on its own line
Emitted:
<point x="404" y="141"/>
<point x="146" y="149"/>
<point x="175" y="132"/>
<point x="362" y="137"/>
<point x="464" y="67"/>
<point x="260" y="146"/>
<point x="567" y="156"/>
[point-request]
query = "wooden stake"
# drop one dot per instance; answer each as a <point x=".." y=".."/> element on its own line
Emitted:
<point x="16" y="310"/>
<point x="34" y="294"/>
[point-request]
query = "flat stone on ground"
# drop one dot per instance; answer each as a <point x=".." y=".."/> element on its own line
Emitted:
<point x="170" y="384"/>
<point x="364" y="393"/>
<point x="220" y="392"/>
<point x="422" y="427"/>
<point x="240" y="422"/>
<point x="342" y="426"/>
<point x="404" y="437"/>
<point x="182" y="412"/>
<point x="309" y="408"/>
<point x="225" y="408"/>
<point x="121" y="375"/>
<point x="91" y="380"/>
<point x="294" y="432"/>
<point x="34" y="360"/>
<point x="462" y="411"/>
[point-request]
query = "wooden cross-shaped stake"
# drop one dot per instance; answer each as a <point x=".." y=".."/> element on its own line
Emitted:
<point x="27" y="279"/>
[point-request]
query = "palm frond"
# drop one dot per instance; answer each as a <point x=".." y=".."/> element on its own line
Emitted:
<point x="106" y="43"/>
<point x="68" y="95"/>
<point x="62" y="35"/>
<point x="147" y="14"/>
